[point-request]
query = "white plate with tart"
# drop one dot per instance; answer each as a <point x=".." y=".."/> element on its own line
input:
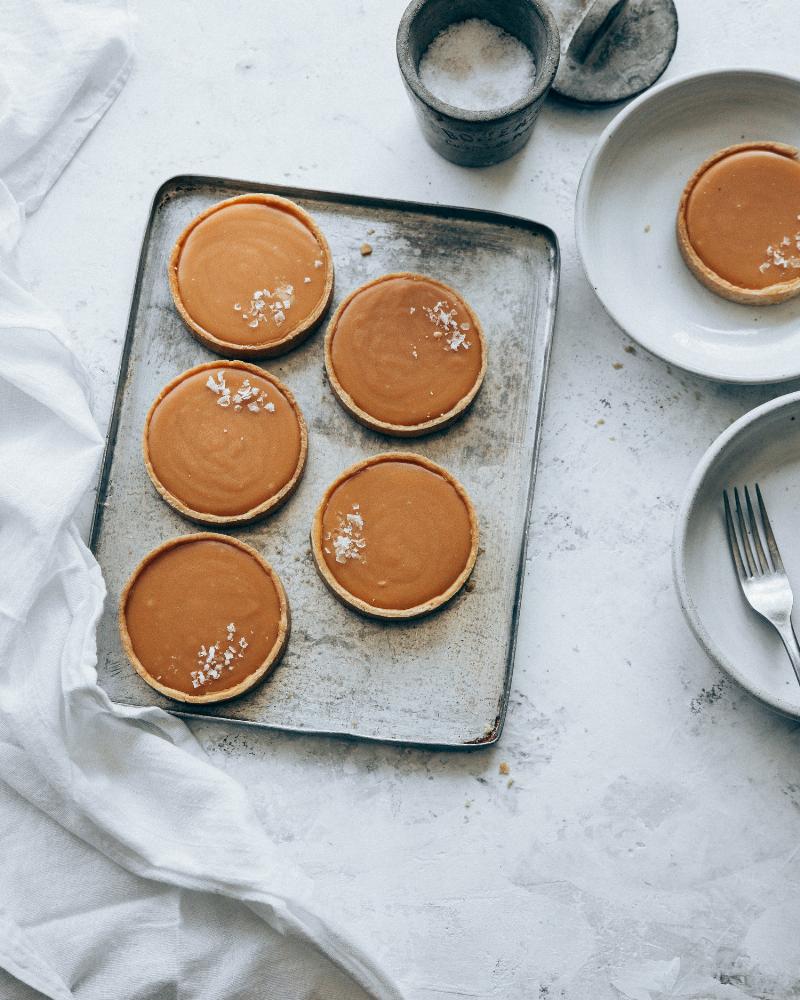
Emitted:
<point x="688" y="223"/>
<point x="761" y="447"/>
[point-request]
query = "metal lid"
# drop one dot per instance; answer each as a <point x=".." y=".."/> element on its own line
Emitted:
<point x="613" y="49"/>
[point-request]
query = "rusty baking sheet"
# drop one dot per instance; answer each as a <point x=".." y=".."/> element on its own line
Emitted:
<point x="442" y="681"/>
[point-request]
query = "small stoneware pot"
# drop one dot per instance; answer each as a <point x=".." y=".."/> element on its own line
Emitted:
<point x="477" y="138"/>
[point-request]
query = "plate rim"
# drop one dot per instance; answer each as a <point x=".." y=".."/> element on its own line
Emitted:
<point x="582" y="200"/>
<point x="710" y="457"/>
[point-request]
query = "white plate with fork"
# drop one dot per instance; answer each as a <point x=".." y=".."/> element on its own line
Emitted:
<point x="761" y="447"/>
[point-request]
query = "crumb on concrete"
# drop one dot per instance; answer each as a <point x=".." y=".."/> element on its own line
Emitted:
<point x="630" y="349"/>
<point x="509" y="783"/>
<point x="366" y="249"/>
<point x="469" y="586"/>
<point x="504" y="768"/>
<point x="617" y="365"/>
<point x="647" y="228"/>
<point x="600" y="422"/>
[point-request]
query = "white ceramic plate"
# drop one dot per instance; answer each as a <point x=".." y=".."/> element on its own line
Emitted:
<point x="625" y="224"/>
<point x="762" y="446"/>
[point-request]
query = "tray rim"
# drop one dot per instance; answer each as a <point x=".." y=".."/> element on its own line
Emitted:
<point x="187" y="181"/>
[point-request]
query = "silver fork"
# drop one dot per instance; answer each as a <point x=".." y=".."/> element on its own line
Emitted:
<point x="764" y="581"/>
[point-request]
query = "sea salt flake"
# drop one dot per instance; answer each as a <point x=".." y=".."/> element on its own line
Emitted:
<point x="456" y="340"/>
<point x="270" y="407"/>
<point x="306" y="281"/>
<point x="318" y="263"/>
<point x="253" y="407"/>
<point x="348" y="540"/>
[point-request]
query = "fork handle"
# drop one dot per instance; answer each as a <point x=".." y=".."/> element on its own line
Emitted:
<point x="789" y="639"/>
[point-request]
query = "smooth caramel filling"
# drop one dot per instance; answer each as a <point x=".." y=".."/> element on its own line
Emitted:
<point x="396" y="535"/>
<point x="251" y="273"/>
<point x="406" y="350"/>
<point x="224" y="441"/>
<point x="202" y="616"/>
<point x="743" y="218"/>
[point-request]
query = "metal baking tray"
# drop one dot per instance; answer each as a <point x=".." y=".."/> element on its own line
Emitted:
<point x="442" y="681"/>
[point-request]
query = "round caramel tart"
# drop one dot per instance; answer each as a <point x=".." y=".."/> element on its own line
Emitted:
<point x="739" y="223"/>
<point x="225" y="443"/>
<point x="405" y="354"/>
<point x="395" y="536"/>
<point x="251" y="276"/>
<point x="203" y="618"/>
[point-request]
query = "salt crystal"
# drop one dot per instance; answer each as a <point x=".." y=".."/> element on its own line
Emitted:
<point x="477" y="66"/>
<point x="306" y="281"/>
<point x="270" y="407"/>
<point x="318" y="263"/>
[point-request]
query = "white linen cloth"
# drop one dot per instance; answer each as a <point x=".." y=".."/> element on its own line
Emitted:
<point x="130" y="867"/>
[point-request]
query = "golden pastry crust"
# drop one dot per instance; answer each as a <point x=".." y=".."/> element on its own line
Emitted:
<point x="770" y="295"/>
<point x="355" y="602"/>
<point x="273" y="657"/>
<point x="268" y="506"/>
<point x="295" y="335"/>
<point x="402" y="430"/>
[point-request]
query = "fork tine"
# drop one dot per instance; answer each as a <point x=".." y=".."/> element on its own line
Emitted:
<point x="772" y="545"/>
<point x="755" y="533"/>
<point x="748" y="555"/>
<point x="732" y="541"/>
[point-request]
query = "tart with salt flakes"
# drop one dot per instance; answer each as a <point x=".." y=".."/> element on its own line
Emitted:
<point x="225" y="443"/>
<point x="251" y="276"/>
<point x="203" y="618"/>
<point x="395" y="536"/>
<point x="405" y="354"/>
<point x="738" y="224"/>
